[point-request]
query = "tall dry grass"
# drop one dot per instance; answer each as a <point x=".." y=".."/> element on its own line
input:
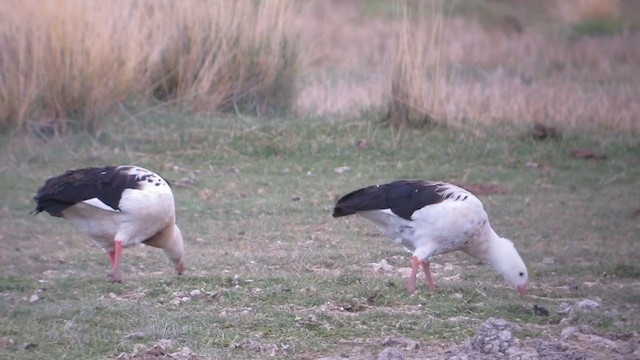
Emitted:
<point x="70" y="62"/>
<point x="490" y="74"/>
<point x="417" y="74"/>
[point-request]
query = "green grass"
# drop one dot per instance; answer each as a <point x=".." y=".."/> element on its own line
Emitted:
<point x="279" y="271"/>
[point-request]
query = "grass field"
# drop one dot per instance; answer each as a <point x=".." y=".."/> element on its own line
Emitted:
<point x="270" y="273"/>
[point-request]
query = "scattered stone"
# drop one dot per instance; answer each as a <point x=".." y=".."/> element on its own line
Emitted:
<point x="29" y="346"/>
<point x="493" y="338"/>
<point x="179" y="300"/>
<point x="382" y="266"/>
<point x="342" y="169"/>
<point x="160" y="351"/>
<point x="624" y="349"/>
<point x="390" y="354"/>
<point x="34" y="298"/>
<point x="548" y="260"/>
<point x="587" y="305"/>
<point x="564" y="308"/>
<point x="568" y="332"/>
<point x="404" y="343"/>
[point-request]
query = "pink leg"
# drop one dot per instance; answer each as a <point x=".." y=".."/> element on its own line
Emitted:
<point x="427" y="273"/>
<point x="116" y="274"/>
<point x="112" y="257"/>
<point x="415" y="263"/>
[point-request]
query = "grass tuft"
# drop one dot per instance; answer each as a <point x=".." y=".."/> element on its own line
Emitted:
<point x="417" y="73"/>
<point x="66" y="65"/>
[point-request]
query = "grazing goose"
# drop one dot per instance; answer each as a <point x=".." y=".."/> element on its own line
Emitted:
<point x="117" y="207"/>
<point x="432" y="218"/>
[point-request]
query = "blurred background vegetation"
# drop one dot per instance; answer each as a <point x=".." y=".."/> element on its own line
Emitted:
<point x="72" y="65"/>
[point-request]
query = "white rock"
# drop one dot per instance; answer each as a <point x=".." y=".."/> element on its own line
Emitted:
<point x="587" y="304"/>
<point x="568" y="332"/>
<point x="390" y="354"/>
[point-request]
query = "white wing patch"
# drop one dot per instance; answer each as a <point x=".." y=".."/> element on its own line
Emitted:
<point x="147" y="180"/>
<point x="452" y="192"/>
<point x="95" y="202"/>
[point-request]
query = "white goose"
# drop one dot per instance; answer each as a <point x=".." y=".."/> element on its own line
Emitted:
<point x="117" y="207"/>
<point x="432" y="218"/>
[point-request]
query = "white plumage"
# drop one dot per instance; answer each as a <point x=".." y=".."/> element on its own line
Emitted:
<point x="433" y="218"/>
<point x="117" y="207"/>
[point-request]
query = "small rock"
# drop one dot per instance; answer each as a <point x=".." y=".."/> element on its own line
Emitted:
<point x="568" y="332"/>
<point x="624" y="349"/>
<point x="492" y="347"/>
<point x="549" y="260"/>
<point x="29" y="346"/>
<point x="405" y="343"/>
<point x="195" y="293"/>
<point x="382" y="266"/>
<point x="505" y="336"/>
<point x="587" y="305"/>
<point x="564" y="308"/>
<point x="493" y="337"/>
<point x="586" y="329"/>
<point x="34" y="298"/>
<point x="390" y="354"/>
<point x="342" y="169"/>
<point x="179" y="300"/>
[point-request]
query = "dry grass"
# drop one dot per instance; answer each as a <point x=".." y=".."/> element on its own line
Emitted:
<point x="415" y="95"/>
<point x="77" y="60"/>
<point x="495" y="74"/>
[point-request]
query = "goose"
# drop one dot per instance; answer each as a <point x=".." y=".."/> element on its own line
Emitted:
<point x="431" y="218"/>
<point x="116" y="207"/>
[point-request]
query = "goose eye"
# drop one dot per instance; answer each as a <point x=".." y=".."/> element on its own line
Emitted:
<point x="521" y="273"/>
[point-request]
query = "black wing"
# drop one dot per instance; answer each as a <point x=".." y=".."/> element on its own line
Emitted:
<point x="105" y="183"/>
<point x="402" y="197"/>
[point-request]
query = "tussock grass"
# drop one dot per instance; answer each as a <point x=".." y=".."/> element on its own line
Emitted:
<point x="75" y="62"/>
<point x="68" y="64"/>
<point x="417" y="75"/>
<point x="478" y="73"/>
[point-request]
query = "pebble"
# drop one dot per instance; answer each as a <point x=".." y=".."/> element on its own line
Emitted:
<point x="390" y="354"/>
<point x="587" y="304"/>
